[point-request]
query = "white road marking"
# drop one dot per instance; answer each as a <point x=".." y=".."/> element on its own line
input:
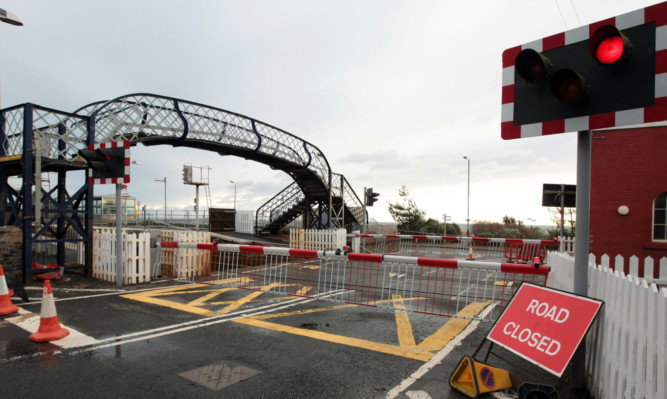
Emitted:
<point x="30" y="322"/>
<point x="162" y="331"/>
<point x="438" y="358"/>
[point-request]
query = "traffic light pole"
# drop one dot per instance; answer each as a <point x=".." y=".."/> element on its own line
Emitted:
<point x="119" y="236"/>
<point x="582" y="236"/>
<point x="197" y="208"/>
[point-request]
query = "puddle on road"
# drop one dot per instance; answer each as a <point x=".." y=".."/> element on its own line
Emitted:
<point x="314" y="326"/>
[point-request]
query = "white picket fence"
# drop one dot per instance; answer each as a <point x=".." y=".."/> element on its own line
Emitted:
<point x="321" y="240"/>
<point x="567" y="244"/>
<point x="626" y="353"/>
<point x="190" y="261"/>
<point x="136" y="258"/>
<point x="635" y="266"/>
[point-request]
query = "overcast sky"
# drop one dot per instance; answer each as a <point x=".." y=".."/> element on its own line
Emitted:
<point x="393" y="92"/>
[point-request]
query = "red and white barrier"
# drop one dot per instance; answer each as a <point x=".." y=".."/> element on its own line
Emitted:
<point x="427" y="285"/>
<point x="492" y="249"/>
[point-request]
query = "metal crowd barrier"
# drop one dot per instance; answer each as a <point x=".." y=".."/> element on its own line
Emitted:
<point x="451" y="247"/>
<point x="442" y="287"/>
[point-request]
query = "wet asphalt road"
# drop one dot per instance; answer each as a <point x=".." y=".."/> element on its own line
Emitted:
<point x="267" y="347"/>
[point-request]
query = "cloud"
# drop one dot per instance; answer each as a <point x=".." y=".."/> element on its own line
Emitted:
<point x="393" y="93"/>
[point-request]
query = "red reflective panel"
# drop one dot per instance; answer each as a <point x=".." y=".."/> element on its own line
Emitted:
<point x="610" y="50"/>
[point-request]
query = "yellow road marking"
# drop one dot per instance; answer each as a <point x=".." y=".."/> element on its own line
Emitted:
<point x="205" y="298"/>
<point x="192" y="307"/>
<point x="148" y="297"/>
<point x="237" y="304"/>
<point x="452" y="328"/>
<point x="406" y="338"/>
<point x="303" y="291"/>
<point x="301" y="312"/>
<point x="411" y="353"/>
<point x="407" y="346"/>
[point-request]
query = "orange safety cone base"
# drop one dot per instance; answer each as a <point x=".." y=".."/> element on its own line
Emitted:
<point x="49" y="327"/>
<point x="49" y="330"/>
<point x="6" y="306"/>
<point x="46" y="276"/>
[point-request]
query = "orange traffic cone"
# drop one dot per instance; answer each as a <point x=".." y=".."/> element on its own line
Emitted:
<point x="49" y="327"/>
<point x="47" y="276"/>
<point x="6" y="306"/>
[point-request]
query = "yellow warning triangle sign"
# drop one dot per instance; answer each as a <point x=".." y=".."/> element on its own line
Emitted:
<point x="474" y="378"/>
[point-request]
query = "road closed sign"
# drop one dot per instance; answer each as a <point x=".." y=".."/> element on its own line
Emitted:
<point x="545" y="326"/>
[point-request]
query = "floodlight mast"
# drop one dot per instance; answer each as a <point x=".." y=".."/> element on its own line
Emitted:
<point x="8" y="17"/>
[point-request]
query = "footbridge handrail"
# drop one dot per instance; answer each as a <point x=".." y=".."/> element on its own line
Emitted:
<point x="154" y="119"/>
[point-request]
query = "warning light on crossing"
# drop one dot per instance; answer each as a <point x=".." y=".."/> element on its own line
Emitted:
<point x="608" y="45"/>
<point x="568" y="85"/>
<point x="109" y="162"/>
<point x="607" y="74"/>
<point x="532" y="66"/>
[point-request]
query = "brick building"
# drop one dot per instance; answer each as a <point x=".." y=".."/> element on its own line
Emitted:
<point x="629" y="194"/>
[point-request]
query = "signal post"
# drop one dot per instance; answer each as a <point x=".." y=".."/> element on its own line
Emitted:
<point x="607" y="74"/>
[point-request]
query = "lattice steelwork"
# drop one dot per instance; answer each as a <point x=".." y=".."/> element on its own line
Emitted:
<point x="61" y="135"/>
<point x="289" y="200"/>
<point x="143" y="117"/>
<point x="151" y="119"/>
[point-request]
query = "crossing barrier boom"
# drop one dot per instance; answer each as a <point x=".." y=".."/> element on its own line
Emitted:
<point x="426" y="285"/>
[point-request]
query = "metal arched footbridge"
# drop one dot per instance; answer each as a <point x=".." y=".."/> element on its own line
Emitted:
<point x="35" y="139"/>
<point x="323" y="198"/>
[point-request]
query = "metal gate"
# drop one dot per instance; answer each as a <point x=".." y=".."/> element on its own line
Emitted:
<point x="445" y="247"/>
<point x="426" y="285"/>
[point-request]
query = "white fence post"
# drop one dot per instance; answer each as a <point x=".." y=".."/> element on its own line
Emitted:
<point x="321" y="240"/>
<point x="244" y="222"/>
<point x="136" y="256"/>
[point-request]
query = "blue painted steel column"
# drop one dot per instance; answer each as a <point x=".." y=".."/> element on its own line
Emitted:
<point x="88" y="223"/>
<point x="28" y="184"/>
<point x="3" y="178"/>
<point x="61" y="193"/>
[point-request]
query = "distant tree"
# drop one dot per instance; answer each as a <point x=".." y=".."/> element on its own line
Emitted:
<point x="485" y="228"/>
<point x="453" y="229"/>
<point x="509" y="228"/>
<point x="407" y="214"/>
<point x="433" y="226"/>
<point x="570" y="220"/>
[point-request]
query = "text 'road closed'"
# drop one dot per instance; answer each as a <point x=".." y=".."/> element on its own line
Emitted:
<point x="544" y="326"/>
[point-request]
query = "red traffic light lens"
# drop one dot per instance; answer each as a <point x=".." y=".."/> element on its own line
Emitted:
<point x="609" y="50"/>
<point x="568" y="86"/>
<point x="608" y="45"/>
<point x="531" y="65"/>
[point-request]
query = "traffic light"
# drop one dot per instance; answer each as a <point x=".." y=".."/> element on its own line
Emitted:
<point x="370" y="197"/>
<point x="602" y="75"/>
<point x="106" y="163"/>
<point x="187" y="174"/>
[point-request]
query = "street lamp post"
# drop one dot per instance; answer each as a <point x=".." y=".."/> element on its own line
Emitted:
<point x="468" y="206"/>
<point x="8" y="17"/>
<point x="164" y="180"/>
<point x="234" y="183"/>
